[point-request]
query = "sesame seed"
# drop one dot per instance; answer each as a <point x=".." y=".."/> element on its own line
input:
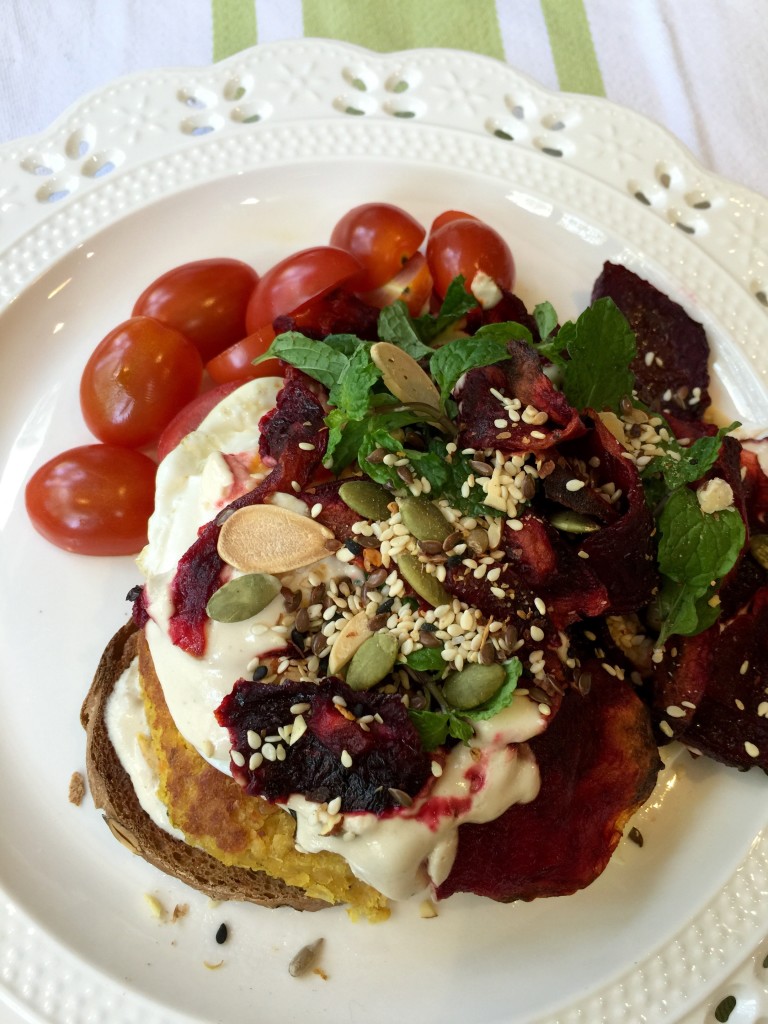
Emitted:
<point x="269" y="751"/>
<point x="675" y="712"/>
<point x="751" y="749"/>
<point x="346" y="759"/>
<point x="541" y="606"/>
<point x="238" y="758"/>
<point x="574" y="485"/>
<point x="744" y="667"/>
<point x="316" y="509"/>
<point x="739" y="703"/>
<point x="335" y="805"/>
<point x="437" y="769"/>
<point x="298" y="730"/>
<point x="254" y="740"/>
<point x="666" y="728"/>
<point x="255" y="761"/>
<point x="500" y="424"/>
<point x="583" y="554"/>
<point x="295" y="486"/>
<point x="306" y="446"/>
<point x="537" y="634"/>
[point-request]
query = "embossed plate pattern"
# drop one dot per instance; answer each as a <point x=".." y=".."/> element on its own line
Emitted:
<point x="254" y="158"/>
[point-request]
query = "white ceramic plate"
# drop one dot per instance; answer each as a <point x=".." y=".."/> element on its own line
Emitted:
<point x="255" y="158"/>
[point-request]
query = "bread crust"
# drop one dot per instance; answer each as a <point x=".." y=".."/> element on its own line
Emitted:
<point x="113" y="793"/>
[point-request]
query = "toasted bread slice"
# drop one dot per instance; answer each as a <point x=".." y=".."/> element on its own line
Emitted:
<point x="113" y="793"/>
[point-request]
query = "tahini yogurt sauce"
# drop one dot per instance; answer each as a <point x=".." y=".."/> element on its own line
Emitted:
<point x="398" y="854"/>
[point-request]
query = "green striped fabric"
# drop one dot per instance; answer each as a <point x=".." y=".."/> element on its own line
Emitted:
<point x="404" y="24"/>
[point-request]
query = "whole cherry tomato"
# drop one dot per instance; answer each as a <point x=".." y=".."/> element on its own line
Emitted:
<point x="136" y="380"/>
<point x="412" y="285"/>
<point x="205" y="300"/>
<point x="466" y="246"/>
<point x="191" y="416"/>
<point x="297" y="280"/>
<point x="93" y="500"/>
<point x="382" y="237"/>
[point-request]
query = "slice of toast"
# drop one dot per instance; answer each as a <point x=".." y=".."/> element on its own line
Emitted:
<point x="113" y="793"/>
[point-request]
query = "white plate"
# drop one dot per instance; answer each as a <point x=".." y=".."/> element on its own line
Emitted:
<point x="254" y="158"/>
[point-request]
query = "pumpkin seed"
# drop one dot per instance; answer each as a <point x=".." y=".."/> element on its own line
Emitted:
<point x="242" y="597"/>
<point x="404" y="377"/>
<point x="424" y="583"/>
<point x="573" y="522"/>
<point x="373" y="661"/>
<point x="351" y="638"/>
<point x="271" y="539"/>
<point x="758" y="548"/>
<point x="367" y="498"/>
<point x="424" y="519"/>
<point x="473" y="685"/>
<point x="477" y="540"/>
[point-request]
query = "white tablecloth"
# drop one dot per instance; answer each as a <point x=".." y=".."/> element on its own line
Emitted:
<point x="696" y="66"/>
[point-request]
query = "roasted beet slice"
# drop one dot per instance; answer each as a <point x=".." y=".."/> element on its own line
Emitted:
<point x="731" y="720"/>
<point x="598" y="763"/>
<point x="519" y="377"/>
<point x="679" y="684"/>
<point x="622" y="555"/>
<point x="297" y="417"/>
<point x="387" y="756"/>
<point x="339" y="312"/>
<point x="672" y="348"/>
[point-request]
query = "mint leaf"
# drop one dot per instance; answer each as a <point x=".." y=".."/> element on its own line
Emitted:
<point x="320" y="361"/>
<point x="454" y="359"/>
<point x="344" y="439"/>
<point x="601" y="347"/>
<point x="546" y="319"/>
<point x="693" y="461"/>
<point x="434" y="727"/>
<point x="696" y="550"/>
<point x="456" y="304"/>
<point x="503" y="696"/>
<point x="347" y="344"/>
<point x="697" y="547"/>
<point x="352" y="392"/>
<point x="427" y="659"/>
<point x="397" y="327"/>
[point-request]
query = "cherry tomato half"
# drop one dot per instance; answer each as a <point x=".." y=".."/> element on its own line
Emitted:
<point x="297" y="280"/>
<point x="236" y="363"/>
<point x="206" y="300"/>
<point x="448" y="215"/>
<point x="412" y="285"/>
<point x="382" y="237"/>
<point x="136" y="380"/>
<point x="93" y="500"/>
<point x="466" y="246"/>
<point x="191" y="416"/>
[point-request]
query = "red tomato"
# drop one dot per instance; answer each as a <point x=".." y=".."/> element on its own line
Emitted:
<point x="136" y="380"/>
<point x="191" y="416"/>
<point x="413" y="285"/>
<point x="236" y="363"/>
<point x="448" y="215"/>
<point x="383" y="237"/>
<point x="298" y="280"/>
<point x="94" y="500"/>
<point x="464" y="246"/>
<point x="205" y="300"/>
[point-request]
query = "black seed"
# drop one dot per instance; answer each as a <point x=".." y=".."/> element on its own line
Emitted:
<point x="725" y="1008"/>
<point x="259" y="673"/>
<point x="636" y="836"/>
<point x="429" y="627"/>
<point x="453" y="561"/>
<point x="298" y="638"/>
<point x="134" y="593"/>
<point x="386" y="606"/>
<point x="353" y="546"/>
<point x="221" y="934"/>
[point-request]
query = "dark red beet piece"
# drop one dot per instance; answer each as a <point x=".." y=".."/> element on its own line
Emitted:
<point x="335" y="513"/>
<point x="662" y="327"/>
<point x="598" y="763"/>
<point x="727" y="731"/>
<point x="388" y="756"/>
<point x="755" y="491"/>
<point x="679" y="683"/>
<point x="520" y="377"/>
<point x="340" y="312"/>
